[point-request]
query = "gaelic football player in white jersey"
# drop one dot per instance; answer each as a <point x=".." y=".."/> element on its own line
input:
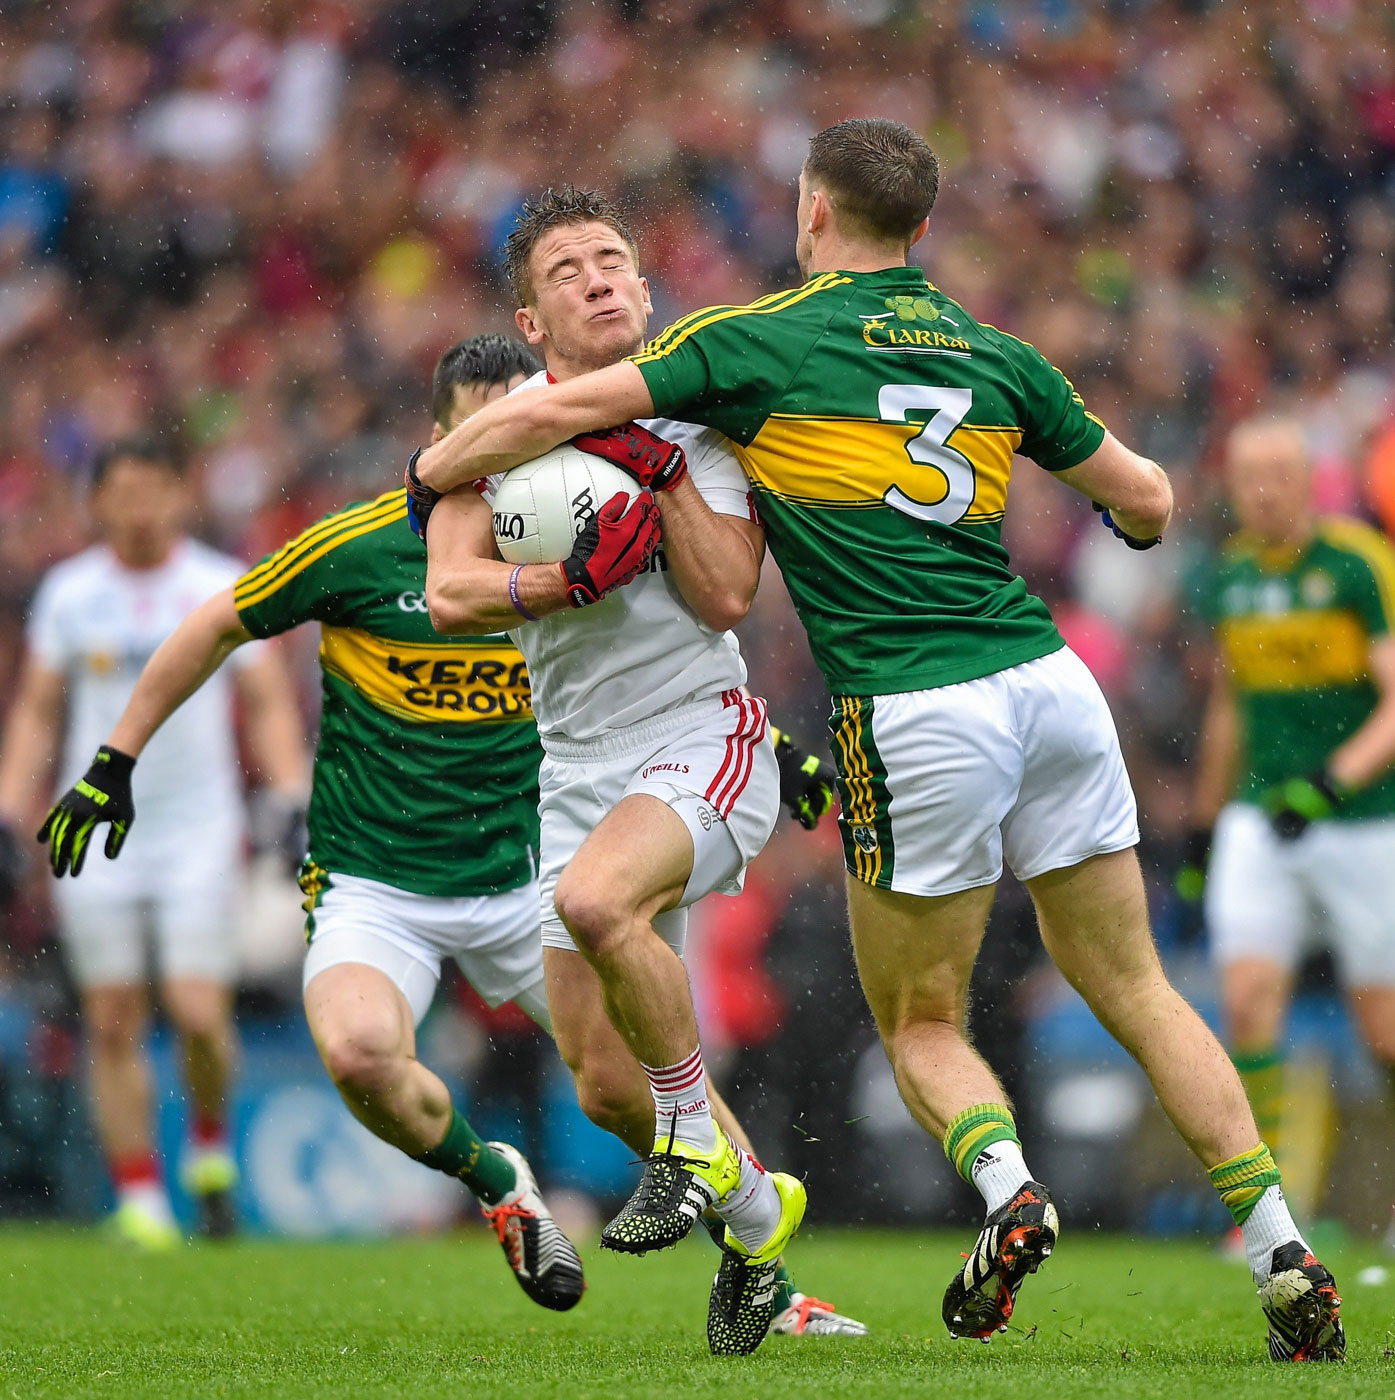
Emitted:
<point x="96" y="620"/>
<point x="659" y="780"/>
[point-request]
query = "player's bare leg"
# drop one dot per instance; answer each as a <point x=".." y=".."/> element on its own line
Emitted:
<point x="614" y="1094"/>
<point x="915" y="955"/>
<point x="363" y="1027"/>
<point x="117" y="1019"/>
<point x="1255" y="997"/>
<point x="633" y="866"/>
<point x="200" y="1010"/>
<point x="1094" y="923"/>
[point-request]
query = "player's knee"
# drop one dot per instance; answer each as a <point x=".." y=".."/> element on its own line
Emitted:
<point x="114" y="1024"/>
<point x="596" y="920"/>
<point x="364" y="1063"/>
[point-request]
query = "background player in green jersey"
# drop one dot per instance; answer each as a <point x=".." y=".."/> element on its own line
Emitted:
<point x="877" y="421"/>
<point x="423" y="823"/>
<point x="1294" y="766"/>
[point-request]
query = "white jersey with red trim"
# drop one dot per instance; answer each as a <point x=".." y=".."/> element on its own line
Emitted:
<point x="98" y="622"/>
<point x="641" y="650"/>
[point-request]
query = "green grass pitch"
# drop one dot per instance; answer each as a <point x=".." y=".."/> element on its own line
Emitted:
<point x="442" y="1317"/>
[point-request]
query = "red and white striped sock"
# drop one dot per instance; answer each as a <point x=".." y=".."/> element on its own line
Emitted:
<point x="681" y="1106"/>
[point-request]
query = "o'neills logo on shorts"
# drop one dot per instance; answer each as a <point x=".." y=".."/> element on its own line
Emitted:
<point x="664" y="768"/>
<point x="449" y="683"/>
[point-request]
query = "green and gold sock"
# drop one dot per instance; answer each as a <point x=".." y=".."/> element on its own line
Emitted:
<point x="1262" y="1074"/>
<point x="973" y="1130"/>
<point x="784" y="1288"/>
<point x="464" y="1154"/>
<point x="1243" y="1179"/>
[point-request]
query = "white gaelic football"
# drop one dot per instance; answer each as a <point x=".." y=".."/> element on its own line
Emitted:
<point x="540" y="507"/>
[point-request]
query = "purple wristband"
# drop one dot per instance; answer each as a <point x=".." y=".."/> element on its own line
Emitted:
<point x="513" y="594"/>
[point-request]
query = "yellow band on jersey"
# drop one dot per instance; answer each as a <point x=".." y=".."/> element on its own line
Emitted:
<point x="857" y="461"/>
<point x="433" y="683"/>
<point x="1296" y="650"/>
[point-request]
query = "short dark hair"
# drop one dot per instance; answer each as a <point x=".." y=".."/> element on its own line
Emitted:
<point x="555" y="206"/>
<point x="157" y="451"/>
<point x="479" y="359"/>
<point x="881" y="176"/>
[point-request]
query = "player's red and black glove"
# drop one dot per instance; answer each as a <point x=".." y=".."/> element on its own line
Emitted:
<point x="613" y="546"/>
<point x="1296" y="803"/>
<point x="102" y="794"/>
<point x="806" y="781"/>
<point x="421" y="498"/>
<point x="654" y="462"/>
<point x="1132" y="541"/>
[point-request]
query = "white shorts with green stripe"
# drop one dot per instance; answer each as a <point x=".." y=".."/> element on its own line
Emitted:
<point x="940" y="786"/>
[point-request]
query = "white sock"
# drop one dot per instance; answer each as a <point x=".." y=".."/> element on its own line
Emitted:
<point x="1268" y="1226"/>
<point x="150" y="1198"/>
<point x="752" y="1211"/>
<point x="681" y="1105"/>
<point x="997" y="1172"/>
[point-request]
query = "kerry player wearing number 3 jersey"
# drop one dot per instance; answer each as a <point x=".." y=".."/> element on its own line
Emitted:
<point x="877" y="422"/>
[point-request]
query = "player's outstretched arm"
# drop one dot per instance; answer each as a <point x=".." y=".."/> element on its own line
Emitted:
<point x="1370" y="750"/>
<point x="467" y="584"/>
<point x="102" y="796"/>
<point x="1133" y="489"/>
<point x="522" y="426"/>
<point x="181" y="664"/>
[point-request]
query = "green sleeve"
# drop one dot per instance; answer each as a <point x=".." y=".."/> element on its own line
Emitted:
<point x="1058" y="432"/>
<point x="1367" y="589"/>
<point x="727" y="366"/>
<point x="304" y="580"/>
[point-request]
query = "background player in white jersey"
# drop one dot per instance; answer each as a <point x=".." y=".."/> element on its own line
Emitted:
<point x="659" y="782"/>
<point x="96" y="620"/>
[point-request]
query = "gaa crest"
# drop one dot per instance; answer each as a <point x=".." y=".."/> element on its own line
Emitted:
<point x="866" y="838"/>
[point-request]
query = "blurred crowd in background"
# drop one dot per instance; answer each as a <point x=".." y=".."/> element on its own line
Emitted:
<point x="253" y="225"/>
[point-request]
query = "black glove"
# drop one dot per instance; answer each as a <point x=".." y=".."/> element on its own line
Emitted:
<point x="806" y="781"/>
<point x="421" y="498"/>
<point x="12" y="864"/>
<point x="102" y="794"/>
<point x="1132" y="541"/>
<point x="1190" y="880"/>
<point x="1295" y="803"/>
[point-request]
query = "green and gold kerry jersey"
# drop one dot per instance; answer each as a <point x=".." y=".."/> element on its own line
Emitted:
<point x="426" y="775"/>
<point x="1294" y="627"/>
<point x="877" y="422"/>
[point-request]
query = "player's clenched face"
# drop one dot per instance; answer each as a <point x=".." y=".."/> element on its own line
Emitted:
<point x="590" y="305"/>
<point x="1270" y="480"/>
<point x="140" y="506"/>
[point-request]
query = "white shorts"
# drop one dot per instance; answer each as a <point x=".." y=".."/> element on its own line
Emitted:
<point x="1275" y="900"/>
<point x="939" y="786"/>
<point x="712" y="762"/>
<point x="169" y="892"/>
<point x="493" y="939"/>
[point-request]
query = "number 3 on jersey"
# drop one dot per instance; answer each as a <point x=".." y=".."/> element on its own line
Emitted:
<point x="948" y="408"/>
